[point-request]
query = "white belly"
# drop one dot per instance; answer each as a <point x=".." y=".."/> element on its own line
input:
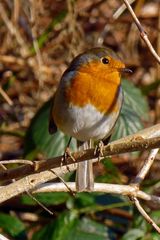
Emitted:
<point x="89" y="124"/>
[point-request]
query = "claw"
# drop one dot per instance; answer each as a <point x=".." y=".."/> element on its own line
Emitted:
<point x="99" y="150"/>
<point x="67" y="154"/>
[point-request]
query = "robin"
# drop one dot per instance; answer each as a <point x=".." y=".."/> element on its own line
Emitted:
<point x="87" y="103"/>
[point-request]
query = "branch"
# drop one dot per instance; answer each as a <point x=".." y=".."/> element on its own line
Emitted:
<point x="145" y="215"/>
<point x="136" y="142"/>
<point x="146" y="166"/>
<point x="126" y="190"/>
<point x="142" y="32"/>
<point x="29" y="182"/>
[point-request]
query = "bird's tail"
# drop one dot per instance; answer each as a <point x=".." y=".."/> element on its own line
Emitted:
<point x="84" y="174"/>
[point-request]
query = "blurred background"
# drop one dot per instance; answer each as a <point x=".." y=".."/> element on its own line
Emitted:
<point x="38" y="39"/>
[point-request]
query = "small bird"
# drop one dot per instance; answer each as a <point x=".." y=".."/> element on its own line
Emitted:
<point x="87" y="103"/>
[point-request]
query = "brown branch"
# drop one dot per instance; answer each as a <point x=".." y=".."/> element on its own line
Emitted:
<point x="116" y="147"/>
<point x="29" y="182"/>
<point x="127" y="144"/>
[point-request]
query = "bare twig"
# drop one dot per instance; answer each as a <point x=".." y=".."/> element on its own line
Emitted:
<point x="12" y="60"/>
<point x="16" y="11"/>
<point x="62" y="180"/>
<point x="5" y="96"/>
<point x="39" y="203"/>
<point x="33" y="12"/>
<point x="145" y="215"/>
<point x="146" y="166"/>
<point x="142" y="32"/>
<point x="35" y="182"/>
<point x="3" y="237"/>
<point x="126" y="190"/>
<point x="121" y="9"/>
<point x="21" y="161"/>
<point x="14" y="31"/>
<point x="108" y="27"/>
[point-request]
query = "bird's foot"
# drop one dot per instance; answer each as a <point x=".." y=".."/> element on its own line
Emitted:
<point x="99" y="150"/>
<point x="67" y="154"/>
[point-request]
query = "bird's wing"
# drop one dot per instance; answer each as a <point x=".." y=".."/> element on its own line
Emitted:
<point x="52" y="128"/>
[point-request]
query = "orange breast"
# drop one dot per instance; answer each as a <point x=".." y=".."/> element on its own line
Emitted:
<point x="93" y="84"/>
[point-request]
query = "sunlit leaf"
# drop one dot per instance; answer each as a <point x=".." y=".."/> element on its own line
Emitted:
<point x="12" y="226"/>
<point x="134" y="234"/>
<point x="134" y="109"/>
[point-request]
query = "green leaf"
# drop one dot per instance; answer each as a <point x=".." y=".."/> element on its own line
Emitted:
<point x="91" y="230"/>
<point x="154" y="236"/>
<point x="45" y="232"/>
<point x="61" y="229"/>
<point x="46" y="198"/>
<point x="67" y="226"/>
<point x="12" y="226"/>
<point x="134" y="110"/>
<point x="135" y="99"/>
<point x="38" y="138"/>
<point x="134" y="234"/>
<point x="85" y="199"/>
<point x="112" y="174"/>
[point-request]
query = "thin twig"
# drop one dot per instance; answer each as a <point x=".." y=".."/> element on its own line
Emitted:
<point x="145" y="215"/>
<point x="121" y="9"/>
<point x="108" y="27"/>
<point x="62" y="180"/>
<point x="39" y="203"/>
<point x="33" y="13"/>
<point x="14" y="31"/>
<point x="142" y="32"/>
<point x="146" y="166"/>
<point x="21" y="161"/>
<point x="16" y="11"/>
<point x="6" y="97"/>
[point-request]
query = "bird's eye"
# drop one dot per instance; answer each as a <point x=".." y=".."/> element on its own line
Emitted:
<point x="105" y="60"/>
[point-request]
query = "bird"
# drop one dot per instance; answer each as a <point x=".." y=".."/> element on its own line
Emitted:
<point x="88" y="102"/>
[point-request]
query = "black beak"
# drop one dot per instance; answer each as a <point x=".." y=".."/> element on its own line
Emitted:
<point x="125" y="70"/>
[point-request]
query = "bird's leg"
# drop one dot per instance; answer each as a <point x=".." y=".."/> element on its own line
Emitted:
<point x="84" y="174"/>
<point x="67" y="153"/>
